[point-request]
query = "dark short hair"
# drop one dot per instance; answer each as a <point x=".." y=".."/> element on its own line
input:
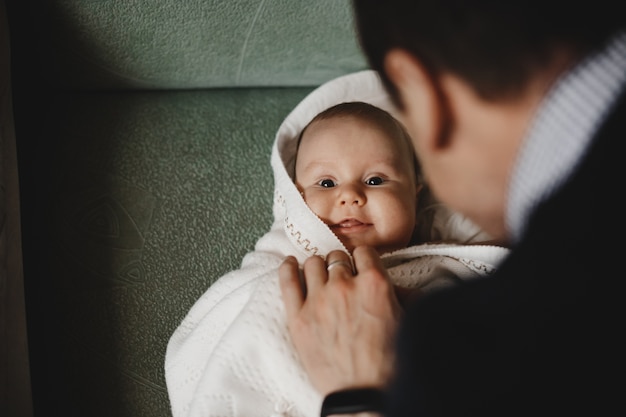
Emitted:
<point x="494" y="45"/>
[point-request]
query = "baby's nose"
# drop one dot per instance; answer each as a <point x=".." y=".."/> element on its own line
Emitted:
<point x="352" y="195"/>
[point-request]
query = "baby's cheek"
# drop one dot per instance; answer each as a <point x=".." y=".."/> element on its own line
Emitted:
<point x="317" y="205"/>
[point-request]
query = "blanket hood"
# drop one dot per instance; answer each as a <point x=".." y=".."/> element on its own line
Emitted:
<point x="291" y="214"/>
<point x="293" y="220"/>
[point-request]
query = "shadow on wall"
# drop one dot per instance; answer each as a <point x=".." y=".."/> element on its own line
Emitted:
<point x="142" y="200"/>
<point x="136" y="193"/>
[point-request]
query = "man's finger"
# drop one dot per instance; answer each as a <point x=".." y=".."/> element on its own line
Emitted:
<point x="366" y="258"/>
<point x="374" y="282"/>
<point x="339" y="264"/>
<point x="315" y="275"/>
<point x="291" y="286"/>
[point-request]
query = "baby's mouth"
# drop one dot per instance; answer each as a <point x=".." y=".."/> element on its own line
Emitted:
<point x="350" y="226"/>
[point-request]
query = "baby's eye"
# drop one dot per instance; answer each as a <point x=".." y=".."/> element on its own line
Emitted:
<point x="327" y="183"/>
<point x="374" y="181"/>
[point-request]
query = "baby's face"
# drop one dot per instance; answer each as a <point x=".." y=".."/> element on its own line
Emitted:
<point x="359" y="181"/>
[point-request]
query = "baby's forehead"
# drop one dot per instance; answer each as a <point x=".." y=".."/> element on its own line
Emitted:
<point x="387" y="130"/>
<point x="390" y="133"/>
<point x="326" y="134"/>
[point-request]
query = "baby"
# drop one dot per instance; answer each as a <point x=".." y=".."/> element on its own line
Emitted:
<point x="345" y="175"/>
<point x="356" y="170"/>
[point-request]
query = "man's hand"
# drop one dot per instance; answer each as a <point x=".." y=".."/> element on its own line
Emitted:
<point x="343" y="325"/>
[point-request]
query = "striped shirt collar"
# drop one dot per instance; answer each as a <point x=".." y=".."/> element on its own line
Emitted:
<point x="563" y="129"/>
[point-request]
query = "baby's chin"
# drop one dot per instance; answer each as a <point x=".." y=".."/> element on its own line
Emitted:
<point x="388" y="249"/>
<point x="382" y="249"/>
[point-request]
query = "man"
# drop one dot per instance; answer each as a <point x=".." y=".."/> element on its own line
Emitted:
<point x="516" y="113"/>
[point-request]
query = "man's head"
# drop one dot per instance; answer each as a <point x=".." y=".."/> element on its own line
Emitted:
<point x="468" y="78"/>
<point x="357" y="171"/>
<point x="495" y="46"/>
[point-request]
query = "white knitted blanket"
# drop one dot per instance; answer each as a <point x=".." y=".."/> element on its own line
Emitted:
<point x="232" y="355"/>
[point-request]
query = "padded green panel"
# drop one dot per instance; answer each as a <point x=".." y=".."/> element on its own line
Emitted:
<point x="197" y="43"/>
<point x="146" y="199"/>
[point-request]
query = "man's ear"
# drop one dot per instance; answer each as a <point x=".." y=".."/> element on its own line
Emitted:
<point x="423" y="105"/>
<point x="418" y="190"/>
